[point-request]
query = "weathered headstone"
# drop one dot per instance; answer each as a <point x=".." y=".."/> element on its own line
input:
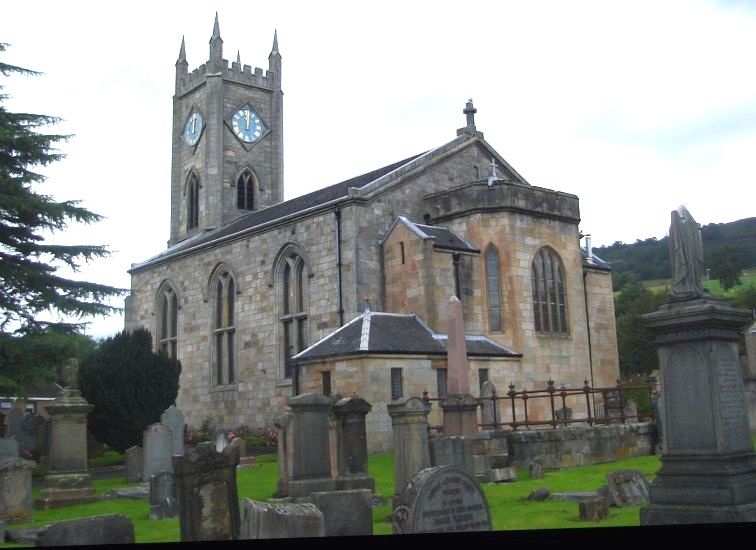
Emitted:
<point x="708" y="472"/>
<point x="311" y="453"/>
<point x="140" y="492"/>
<point x="488" y="410"/>
<point x="278" y="521"/>
<point x="631" y="411"/>
<point x="221" y="440"/>
<point x="346" y="513"/>
<point x="208" y="502"/>
<point x="16" y="489"/>
<point x="351" y="444"/>
<point x="9" y="448"/>
<point x="563" y="414"/>
<point x="441" y="499"/>
<point x="134" y="464"/>
<point x="501" y="475"/>
<point x="409" y="419"/>
<point x="627" y="487"/>
<point x="453" y="451"/>
<point x="536" y="468"/>
<point x="14" y="419"/>
<point x="156" y="450"/>
<point x="162" y="487"/>
<point x="98" y="530"/>
<point x="284" y="447"/>
<point x="594" y="509"/>
<point x="67" y="481"/>
<point x="174" y="419"/>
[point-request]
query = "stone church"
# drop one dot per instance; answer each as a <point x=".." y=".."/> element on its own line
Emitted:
<point x="345" y="289"/>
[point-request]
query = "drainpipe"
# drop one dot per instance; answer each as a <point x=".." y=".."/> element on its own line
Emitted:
<point x="457" y="285"/>
<point x="337" y="213"/>
<point x="588" y="330"/>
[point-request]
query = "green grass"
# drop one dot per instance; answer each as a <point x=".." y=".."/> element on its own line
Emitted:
<point x="509" y="509"/>
<point x="747" y="277"/>
<point x="110" y="458"/>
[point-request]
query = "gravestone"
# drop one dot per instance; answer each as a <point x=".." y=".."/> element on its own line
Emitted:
<point x="284" y="445"/>
<point x="631" y="411"/>
<point x="441" y="499"/>
<point x="536" y="468"/>
<point x="311" y="453"/>
<point x="453" y="451"/>
<point x="208" y="502"/>
<point x="9" y="448"/>
<point x="627" y="487"/>
<point x="174" y="419"/>
<point x="281" y="521"/>
<point x="28" y="434"/>
<point x="162" y="487"/>
<point x="351" y="444"/>
<point x="489" y="416"/>
<point x="67" y="481"/>
<point x="708" y="472"/>
<point x="750" y="340"/>
<point x="409" y="419"/>
<point x="346" y="513"/>
<point x="156" y="450"/>
<point x="593" y="509"/>
<point x="563" y="414"/>
<point x="221" y="440"/>
<point x="134" y="464"/>
<point x="97" y="530"/>
<point x="16" y="489"/>
<point x="14" y="419"/>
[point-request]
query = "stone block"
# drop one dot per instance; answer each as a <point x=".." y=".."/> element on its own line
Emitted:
<point x="261" y="520"/>
<point x="9" y="448"/>
<point x="133" y="493"/>
<point x="574" y="496"/>
<point x="627" y="487"/>
<point x="539" y="495"/>
<point x="536" y="468"/>
<point x="15" y="489"/>
<point x="346" y="513"/>
<point x="594" y="509"/>
<point x="134" y="465"/>
<point x="452" y="451"/>
<point x="66" y="490"/>
<point x="97" y="530"/>
<point x="500" y="475"/>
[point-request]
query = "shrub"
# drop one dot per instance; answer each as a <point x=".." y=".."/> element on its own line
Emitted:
<point x="129" y="385"/>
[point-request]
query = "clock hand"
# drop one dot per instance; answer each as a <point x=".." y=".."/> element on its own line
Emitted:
<point x="246" y="117"/>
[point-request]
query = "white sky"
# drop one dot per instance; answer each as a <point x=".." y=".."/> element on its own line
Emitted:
<point x="635" y="107"/>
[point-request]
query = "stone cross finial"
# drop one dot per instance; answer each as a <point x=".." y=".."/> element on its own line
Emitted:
<point x="469" y="112"/>
<point x="457" y="373"/>
<point x="686" y="253"/>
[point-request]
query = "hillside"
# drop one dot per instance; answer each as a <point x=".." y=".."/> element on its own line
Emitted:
<point x="649" y="259"/>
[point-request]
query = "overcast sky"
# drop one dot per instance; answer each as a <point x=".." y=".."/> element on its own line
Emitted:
<point x="636" y="107"/>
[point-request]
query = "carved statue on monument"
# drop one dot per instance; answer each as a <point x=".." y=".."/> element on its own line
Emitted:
<point x="686" y="252"/>
<point x="71" y="373"/>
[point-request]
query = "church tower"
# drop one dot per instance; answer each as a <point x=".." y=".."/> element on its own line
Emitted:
<point x="227" y="140"/>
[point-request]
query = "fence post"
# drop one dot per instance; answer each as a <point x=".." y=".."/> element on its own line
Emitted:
<point x="563" y="394"/>
<point x="621" y="401"/>
<point x="587" y="390"/>
<point x="496" y="416"/>
<point x="550" y="389"/>
<point x="512" y="393"/>
<point x="525" y="404"/>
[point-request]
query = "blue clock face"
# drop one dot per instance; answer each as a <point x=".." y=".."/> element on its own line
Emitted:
<point x="247" y="125"/>
<point x="193" y="128"/>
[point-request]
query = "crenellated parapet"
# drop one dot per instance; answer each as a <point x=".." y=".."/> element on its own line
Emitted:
<point x="243" y="74"/>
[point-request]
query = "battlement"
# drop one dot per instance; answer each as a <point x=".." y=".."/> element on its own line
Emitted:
<point x="235" y="73"/>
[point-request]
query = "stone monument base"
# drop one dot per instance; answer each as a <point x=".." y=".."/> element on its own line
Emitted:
<point x="460" y="415"/>
<point x="66" y="490"/>
<point x="348" y="483"/>
<point x="304" y="487"/>
<point x="703" y="489"/>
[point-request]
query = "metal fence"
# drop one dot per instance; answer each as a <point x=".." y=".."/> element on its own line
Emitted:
<point x="514" y="410"/>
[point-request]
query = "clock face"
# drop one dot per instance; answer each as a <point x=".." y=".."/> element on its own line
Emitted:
<point x="247" y="125"/>
<point x="193" y="128"/>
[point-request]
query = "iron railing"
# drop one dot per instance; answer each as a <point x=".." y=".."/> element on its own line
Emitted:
<point x="611" y="407"/>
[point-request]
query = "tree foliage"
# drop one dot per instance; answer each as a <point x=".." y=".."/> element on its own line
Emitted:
<point x="29" y="279"/>
<point x="637" y="353"/>
<point x="129" y="385"/>
<point x="726" y="266"/>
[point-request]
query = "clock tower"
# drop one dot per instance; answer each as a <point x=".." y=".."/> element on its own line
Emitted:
<point x="227" y="140"/>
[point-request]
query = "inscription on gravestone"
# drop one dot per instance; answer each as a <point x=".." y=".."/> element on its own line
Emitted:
<point x="732" y="403"/>
<point x="441" y="499"/>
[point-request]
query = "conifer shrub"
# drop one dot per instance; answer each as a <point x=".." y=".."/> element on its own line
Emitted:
<point x="129" y="385"/>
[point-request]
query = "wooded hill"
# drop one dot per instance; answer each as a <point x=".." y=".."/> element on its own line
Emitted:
<point x="649" y="259"/>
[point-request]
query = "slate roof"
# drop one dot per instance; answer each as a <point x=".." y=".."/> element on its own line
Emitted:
<point x="597" y="262"/>
<point x="376" y="333"/>
<point x="45" y="390"/>
<point x="443" y="237"/>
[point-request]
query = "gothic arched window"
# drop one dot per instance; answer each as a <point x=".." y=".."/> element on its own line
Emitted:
<point x="293" y="310"/>
<point x="167" y="324"/>
<point x="493" y="286"/>
<point x="192" y="203"/>
<point x="245" y="190"/>
<point x="549" y="293"/>
<point x="224" y="330"/>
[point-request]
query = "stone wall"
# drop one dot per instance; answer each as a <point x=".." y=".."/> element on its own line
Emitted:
<point x="581" y="445"/>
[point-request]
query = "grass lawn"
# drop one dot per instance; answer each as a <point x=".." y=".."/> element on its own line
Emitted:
<point x="509" y="509"/>
<point x="747" y="277"/>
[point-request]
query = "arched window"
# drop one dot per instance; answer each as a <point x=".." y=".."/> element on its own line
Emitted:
<point x="494" y="289"/>
<point x="245" y="191"/>
<point x="293" y="309"/>
<point x="549" y="294"/>
<point x="192" y="203"/>
<point x="167" y="325"/>
<point x="224" y="330"/>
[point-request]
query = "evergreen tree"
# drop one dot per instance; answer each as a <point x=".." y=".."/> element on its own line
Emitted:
<point x="637" y="353"/>
<point x="29" y="281"/>
<point x="725" y="266"/>
<point x="129" y="385"/>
